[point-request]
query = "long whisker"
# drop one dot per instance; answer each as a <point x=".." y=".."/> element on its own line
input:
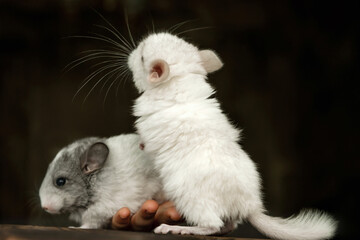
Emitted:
<point x="105" y="63"/>
<point x="152" y="24"/>
<point x="89" y="57"/>
<point x="99" y="82"/>
<point x="113" y="58"/>
<point x="34" y="205"/>
<point x="97" y="38"/>
<point x="107" y="92"/>
<point x="193" y="29"/>
<point x="91" y="76"/>
<point x="127" y="75"/>
<point x="97" y="64"/>
<point x="33" y="201"/>
<point x="114" y="52"/>
<point x="123" y="48"/>
<point x="151" y="28"/>
<point x="106" y="81"/>
<point x="78" y="59"/>
<point x="120" y="47"/>
<point x="120" y="37"/>
<point x="119" y="74"/>
<point x="128" y="28"/>
<point x="112" y="26"/>
<point x="178" y="25"/>
<point x="121" y="68"/>
<point x="106" y="53"/>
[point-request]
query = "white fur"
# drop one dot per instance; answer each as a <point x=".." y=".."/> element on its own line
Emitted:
<point x="195" y="148"/>
<point x="125" y="181"/>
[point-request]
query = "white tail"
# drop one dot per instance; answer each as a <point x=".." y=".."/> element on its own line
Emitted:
<point x="308" y="225"/>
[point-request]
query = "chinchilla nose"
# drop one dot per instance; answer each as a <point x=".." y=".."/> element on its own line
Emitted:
<point x="47" y="208"/>
<point x="50" y="209"/>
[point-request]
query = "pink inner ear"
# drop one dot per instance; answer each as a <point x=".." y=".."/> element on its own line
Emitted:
<point x="157" y="70"/>
<point x="154" y="75"/>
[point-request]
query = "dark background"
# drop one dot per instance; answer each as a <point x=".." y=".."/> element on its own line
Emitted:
<point x="289" y="81"/>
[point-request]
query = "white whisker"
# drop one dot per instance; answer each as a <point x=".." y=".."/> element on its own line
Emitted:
<point x="127" y="74"/>
<point x="193" y="29"/>
<point x="128" y="28"/>
<point x="122" y="48"/>
<point x="120" y="70"/>
<point x="119" y="74"/>
<point x="113" y="27"/>
<point x="87" y="58"/>
<point x="112" y="42"/>
<point x="110" y="62"/>
<point x="114" y="52"/>
<point x="92" y="75"/>
<point x="118" y="36"/>
<point x="98" y="83"/>
<point x="178" y="25"/>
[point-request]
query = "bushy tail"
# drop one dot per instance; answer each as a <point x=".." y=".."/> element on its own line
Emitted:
<point x="308" y="225"/>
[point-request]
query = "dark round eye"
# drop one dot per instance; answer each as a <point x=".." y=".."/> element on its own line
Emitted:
<point x="60" y="181"/>
<point x="142" y="58"/>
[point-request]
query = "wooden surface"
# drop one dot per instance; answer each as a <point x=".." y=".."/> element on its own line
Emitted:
<point x="25" y="232"/>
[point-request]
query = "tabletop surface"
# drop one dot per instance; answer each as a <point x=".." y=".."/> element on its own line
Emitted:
<point x="27" y="232"/>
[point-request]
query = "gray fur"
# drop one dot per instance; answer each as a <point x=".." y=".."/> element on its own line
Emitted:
<point x="79" y="185"/>
<point x="123" y="179"/>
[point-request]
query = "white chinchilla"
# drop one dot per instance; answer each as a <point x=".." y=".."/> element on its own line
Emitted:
<point x="92" y="178"/>
<point x="212" y="181"/>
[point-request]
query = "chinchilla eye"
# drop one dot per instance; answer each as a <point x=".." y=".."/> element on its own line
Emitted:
<point x="60" y="181"/>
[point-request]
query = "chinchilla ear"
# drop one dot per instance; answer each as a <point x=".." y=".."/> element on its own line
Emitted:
<point x="94" y="158"/>
<point x="210" y="61"/>
<point x="159" y="71"/>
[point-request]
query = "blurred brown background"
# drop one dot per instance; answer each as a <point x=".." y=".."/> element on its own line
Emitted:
<point x="289" y="81"/>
